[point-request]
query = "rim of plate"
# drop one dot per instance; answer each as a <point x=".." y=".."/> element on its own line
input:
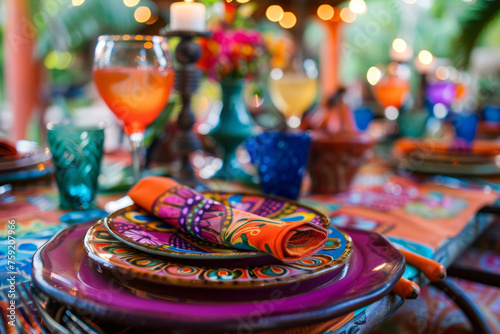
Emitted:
<point x="337" y="263"/>
<point x="215" y="256"/>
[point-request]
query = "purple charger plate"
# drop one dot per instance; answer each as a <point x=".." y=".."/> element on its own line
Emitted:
<point x="61" y="270"/>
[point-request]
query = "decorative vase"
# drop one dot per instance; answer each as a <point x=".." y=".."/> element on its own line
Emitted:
<point x="338" y="148"/>
<point x="234" y="126"/>
<point x="336" y="159"/>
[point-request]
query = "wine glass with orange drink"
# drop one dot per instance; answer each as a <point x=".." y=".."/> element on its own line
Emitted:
<point x="134" y="76"/>
<point x="391" y="88"/>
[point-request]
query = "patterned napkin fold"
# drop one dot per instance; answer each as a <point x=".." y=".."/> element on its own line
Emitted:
<point x="288" y="240"/>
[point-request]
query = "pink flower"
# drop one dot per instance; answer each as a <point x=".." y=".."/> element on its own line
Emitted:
<point x="232" y="53"/>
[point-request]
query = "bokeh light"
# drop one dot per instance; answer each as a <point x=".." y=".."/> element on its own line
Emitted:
<point x="153" y="19"/>
<point x="131" y="3"/>
<point x="373" y="75"/>
<point x="442" y="73"/>
<point x="288" y="20"/>
<point x="399" y="45"/>
<point x="391" y="113"/>
<point x="274" y="13"/>
<point x="294" y="122"/>
<point x="77" y="3"/>
<point x="357" y="6"/>
<point x="142" y="14"/>
<point x="440" y="111"/>
<point x="425" y="57"/>
<point x="58" y="60"/>
<point x="325" y="12"/>
<point x="347" y="15"/>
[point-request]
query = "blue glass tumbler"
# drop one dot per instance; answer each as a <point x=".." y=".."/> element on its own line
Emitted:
<point x="281" y="160"/>
<point x="465" y="126"/>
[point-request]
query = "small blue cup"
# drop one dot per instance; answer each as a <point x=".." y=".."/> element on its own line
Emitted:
<point x="465" y="126"/>
<point x="491" y="114"/>
<point x="363" y="117"/>
<point x="281" y="160"/>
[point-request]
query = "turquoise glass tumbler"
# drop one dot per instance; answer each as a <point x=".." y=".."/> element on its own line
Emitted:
<point x="76" y="154"/>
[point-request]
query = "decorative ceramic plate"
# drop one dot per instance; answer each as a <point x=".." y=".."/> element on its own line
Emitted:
<point x="32" y="162"/>
<point x="448" y="168"/>
<point x="113" y="255"/>
<point x="137" y="228"/>
<point x="435" y="157"/>
<point x="29" y="155"/>
<point x="61" y="270"/>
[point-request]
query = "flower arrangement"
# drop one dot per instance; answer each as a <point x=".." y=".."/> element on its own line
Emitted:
<point x="280" y="49"/>
<point x="232" y="54"/>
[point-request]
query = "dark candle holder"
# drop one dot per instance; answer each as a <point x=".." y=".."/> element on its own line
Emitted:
<point x="187" y="79"/>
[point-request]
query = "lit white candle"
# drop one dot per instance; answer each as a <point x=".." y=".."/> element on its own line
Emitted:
<point x="187" y="16"/>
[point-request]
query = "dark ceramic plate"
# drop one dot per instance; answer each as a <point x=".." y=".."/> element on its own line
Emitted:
<point x="61" y="270"/>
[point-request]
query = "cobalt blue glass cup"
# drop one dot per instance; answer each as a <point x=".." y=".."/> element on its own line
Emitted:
<point x="363" y="117"/>
<point x="465" y="126"/>
<point x="492" y="114"/>
<point x="76" y="154"/>
<point x="281" y="160"/>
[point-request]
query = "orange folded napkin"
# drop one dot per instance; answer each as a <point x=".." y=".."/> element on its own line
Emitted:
<point x="7" y="149"/>
<point x="288" y="240"/>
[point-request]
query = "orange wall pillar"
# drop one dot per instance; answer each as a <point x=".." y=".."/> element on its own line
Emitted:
<point x="329" y="56"/>
<point x="22" y="71"/>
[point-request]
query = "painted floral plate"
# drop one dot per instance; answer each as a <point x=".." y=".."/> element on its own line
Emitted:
<point x="112" y="255"/>
<point x="145" y="232"/>
<point x="61" y="269"/>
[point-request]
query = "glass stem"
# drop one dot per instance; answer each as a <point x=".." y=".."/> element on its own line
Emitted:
<point x="136" y="141"/>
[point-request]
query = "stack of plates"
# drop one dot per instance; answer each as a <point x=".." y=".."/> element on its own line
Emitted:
<point x="132" y="268"/>
<point x="439" y="157"/>
<point x="31" y="162"/>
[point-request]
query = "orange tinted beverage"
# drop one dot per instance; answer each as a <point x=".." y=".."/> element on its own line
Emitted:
<point x="391" y="91"/>
<point x="135" y="96"/>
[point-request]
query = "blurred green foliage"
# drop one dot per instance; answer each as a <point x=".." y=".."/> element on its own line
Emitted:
<point x="482" y="15"/>
<point x="63" y="27"/>
<point x="448" y="29"/>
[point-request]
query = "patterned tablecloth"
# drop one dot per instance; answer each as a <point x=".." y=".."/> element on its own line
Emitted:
<point x="434" y="220"/>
